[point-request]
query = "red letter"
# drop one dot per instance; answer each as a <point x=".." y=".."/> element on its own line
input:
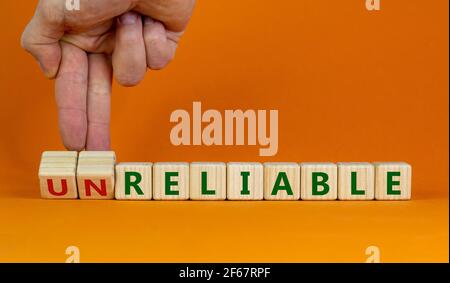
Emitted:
<point x="51" y="188"/>
<point x="101" y="191"/>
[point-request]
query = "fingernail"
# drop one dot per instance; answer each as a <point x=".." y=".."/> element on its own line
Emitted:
<point x="128" y="18"/>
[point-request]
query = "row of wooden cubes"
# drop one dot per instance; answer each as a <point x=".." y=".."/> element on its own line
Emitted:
<point x="95" y="175"/>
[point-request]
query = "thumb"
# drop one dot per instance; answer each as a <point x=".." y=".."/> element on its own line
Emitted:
<point x="41" y="36"/>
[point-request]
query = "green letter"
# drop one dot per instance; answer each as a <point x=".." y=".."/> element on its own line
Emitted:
<point x="391" y="183"/>
<point x="355" y="190"/>
<point x="169" y="183"/>
<point x="205" y="190"/>
<point x="245" y="190"/>
<point x="129" y="183"/>
<point x="323" y="183"/>
<point x="277" y="187"/>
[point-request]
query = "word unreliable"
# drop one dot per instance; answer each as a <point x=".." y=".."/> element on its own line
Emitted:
<point x="95" y="175"/>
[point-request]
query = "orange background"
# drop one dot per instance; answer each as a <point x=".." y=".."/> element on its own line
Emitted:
<point x="349" y="84"/>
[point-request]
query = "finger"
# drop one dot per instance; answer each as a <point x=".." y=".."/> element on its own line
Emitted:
<point x="174" y="14"/>
<point x="99" y="102"/>
<point x="71" y="91"/>
<point x="41" y="36"/>
<point x="129" y="54"/>
<point x="159" y="47"/>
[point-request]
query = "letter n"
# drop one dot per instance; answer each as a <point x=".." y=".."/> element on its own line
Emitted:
<point x="88" y="184"/>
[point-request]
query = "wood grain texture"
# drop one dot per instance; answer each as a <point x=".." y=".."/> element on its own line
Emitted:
<point x="177" y="175"/>
<point x="95" y="161"/>
<point x="281" y="181"/>
<point x="49" y="154"/>
<point x="59" y="158"/>
<point x="133" y="181"/>
<point x="253" y="173"/>
<point x="400" y="185"/>
<point x="214" y="185"/>
<point x="57" y="175"/>
<point x="356" y="181"/>
<point x="317" y="171"/>
<point x="95" y="175"/>
<point x="97" y="154"/>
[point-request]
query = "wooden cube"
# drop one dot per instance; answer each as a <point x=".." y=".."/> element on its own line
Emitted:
<point x="95" y="182"/>
<point x="319" y="181"/>
<point x="57" y="175"/>
<point x="58" y="184"/>
<point x="392" y="180"/>
<point x="208" y="181"/>
<point x="356" y="181"/>
<point x="281" y="181"/>
<point x="95" y="175"/>
<point x="133" y="181"/>
<point x="245" y="181"/>
<point x="171" y="181"/>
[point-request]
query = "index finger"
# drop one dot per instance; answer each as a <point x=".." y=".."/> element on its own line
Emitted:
<point x="71" y="92"/>
<point x="99" y="102"/>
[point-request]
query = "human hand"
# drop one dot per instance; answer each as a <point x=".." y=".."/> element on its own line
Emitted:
<point x="80" y="49"/>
